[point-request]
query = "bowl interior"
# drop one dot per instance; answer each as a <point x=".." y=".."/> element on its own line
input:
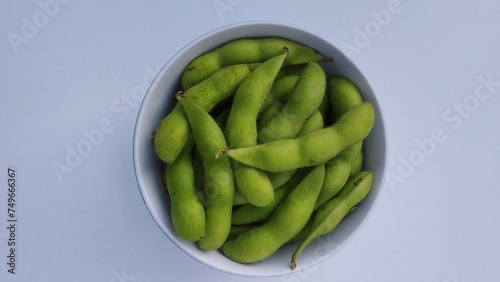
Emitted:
<point x="158" y="102"/>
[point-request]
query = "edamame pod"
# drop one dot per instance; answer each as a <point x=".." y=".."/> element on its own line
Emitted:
<point x="221" y="118"/>
<point x="198" y="175"/>
<point x="357" y="166"/>
<point x="249" y="213"/>
<point x="253" y="184"/>
<point x="313" y="123"/>
<point x="285" y="223"/>
<point x="292" y="70"/>
<point x="306" y="96"/>
<point x="344" y="95"/>
<point x="246" y="50"/>
<point x="218" y="175"/>
<point x="307" y="229"/>
<point x="173" y="131"/>
<point x="239" y="199"/>
<point x="237" y="230"/>
<point x="280" y="178"/>
<point x="281" y="88"/>
<point x="332" y="212"/>
<point x="164" y="176"/>
<point x="325" y="108"/>
<point x="275" y="108"/>
<point x="337" y="171"/>
<point x="187" y="212"/>
<point x="311" y="149"/>
<point x="241" y="129"/>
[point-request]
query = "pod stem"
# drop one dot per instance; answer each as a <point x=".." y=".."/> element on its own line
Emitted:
<point x="293" y="264"/>
<point x="222" y="151"/>
<point x="326" y="59"/>
<point x="180" y="94"/>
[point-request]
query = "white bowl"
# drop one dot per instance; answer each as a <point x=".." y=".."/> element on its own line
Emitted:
<point x="159" y="100"/>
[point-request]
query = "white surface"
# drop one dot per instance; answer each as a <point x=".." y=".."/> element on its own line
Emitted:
<point x="84" y="67"/>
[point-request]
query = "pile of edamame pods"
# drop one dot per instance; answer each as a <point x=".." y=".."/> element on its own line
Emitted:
<point x="262" y="149"/>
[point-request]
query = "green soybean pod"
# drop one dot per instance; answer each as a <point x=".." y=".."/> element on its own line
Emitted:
<point x="328" y="216"/>
<point x="200" y="181"/>
<point x="280" y="178"/>
<point x="311" y="149"/>
<point x="218" y="175"/>
<point x="241" y="129"/>
<point x="344" y="95"/>
<point x="221" y="118"/>
<point x="187" y="212"/>
<point x="164" y="176"/>
<point x="285" y="223"/>
<point x="265" y="116"/>
<point x="237" y="230"/>
<point x="337" y="171"/>
<point x="357" y="166"/>
<point x="246" y="50"/>
<point x="239" y="199"/>
<point x="291" y="70"/>
<point x="313" y="123"/>
<point x="249" y="213"/>
<point x="325" y="108"/>
<point x="198" y="173"/>
<point x="306" y="96"/>
<point x="307" y="229"/>
<point x="281" y="88"/>
<point x="173" y="131"/>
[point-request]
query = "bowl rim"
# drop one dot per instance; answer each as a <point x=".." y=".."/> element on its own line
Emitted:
<point x="164" y="70"/>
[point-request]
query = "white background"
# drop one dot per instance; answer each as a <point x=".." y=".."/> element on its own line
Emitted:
<point x="69" y="67"/>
